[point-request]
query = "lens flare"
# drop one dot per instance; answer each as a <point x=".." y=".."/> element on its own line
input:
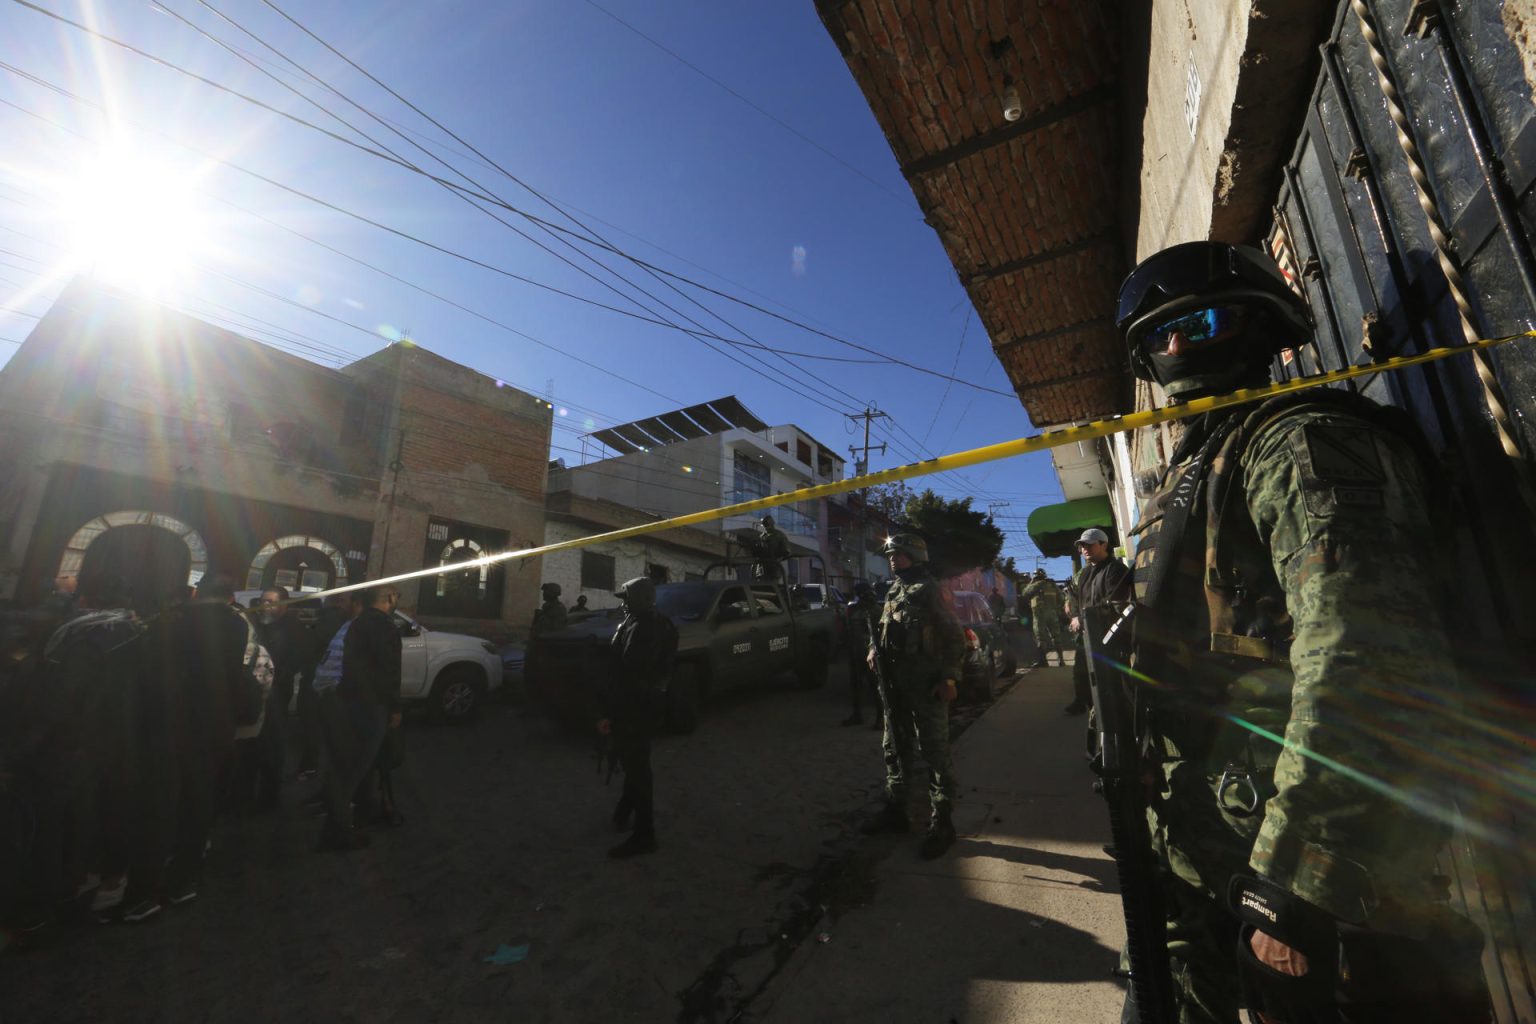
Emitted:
<point x="134" y="220"/>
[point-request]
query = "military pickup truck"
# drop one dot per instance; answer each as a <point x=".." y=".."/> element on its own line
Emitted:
<point x="730" y="633"/>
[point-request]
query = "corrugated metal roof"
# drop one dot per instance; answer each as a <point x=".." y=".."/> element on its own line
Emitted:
<point x="713" y="417"/>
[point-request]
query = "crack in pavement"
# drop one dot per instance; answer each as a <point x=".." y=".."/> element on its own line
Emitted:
<point x="841" y="880"/>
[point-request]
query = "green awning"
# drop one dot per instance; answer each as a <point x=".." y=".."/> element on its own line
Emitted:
<point x="1055" y="528"/>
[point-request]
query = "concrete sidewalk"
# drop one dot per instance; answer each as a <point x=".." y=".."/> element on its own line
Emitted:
<point x="1020" y="921"/>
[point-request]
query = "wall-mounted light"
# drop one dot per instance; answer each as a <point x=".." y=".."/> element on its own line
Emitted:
<point x="1013" y="107"/>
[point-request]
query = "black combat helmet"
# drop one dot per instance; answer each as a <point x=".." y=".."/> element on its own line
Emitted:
<point x="550" y="591"/>
<point x="767" y="522"/>
<point x="1267" y="316"/>
<point x="639" y="594"/>
<point x="915" y="547"/>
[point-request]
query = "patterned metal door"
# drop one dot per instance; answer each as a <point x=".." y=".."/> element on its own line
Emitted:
<point x="1406" y="215"/>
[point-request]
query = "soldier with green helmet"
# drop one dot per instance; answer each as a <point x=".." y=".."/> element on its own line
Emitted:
<point x="773" y="550"/>
<point x="916" y="649"/>
<point x="1046" y="611"/>
<point x="1291" y="662"/>
<point x="550" y="616"/>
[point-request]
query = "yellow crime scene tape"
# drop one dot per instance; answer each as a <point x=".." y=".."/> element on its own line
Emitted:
<point x="959" y="460"/>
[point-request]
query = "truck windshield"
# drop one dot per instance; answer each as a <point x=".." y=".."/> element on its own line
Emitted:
<point x="680" y="601"/>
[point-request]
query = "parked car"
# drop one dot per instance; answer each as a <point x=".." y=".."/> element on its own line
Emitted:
<point x="988" y="654"/>
<point x="729" y="632"/>
<point x="449" y="672"/>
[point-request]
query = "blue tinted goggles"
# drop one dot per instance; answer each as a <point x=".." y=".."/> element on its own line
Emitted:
<point x="1198" y="327"/>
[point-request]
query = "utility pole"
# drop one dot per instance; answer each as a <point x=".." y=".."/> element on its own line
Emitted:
<point x="860" y="467"/>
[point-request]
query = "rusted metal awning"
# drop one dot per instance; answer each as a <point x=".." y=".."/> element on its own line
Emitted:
<point x="1027" y="209"/>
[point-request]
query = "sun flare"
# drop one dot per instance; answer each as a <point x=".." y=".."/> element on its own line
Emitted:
<point x="134" y="221"/>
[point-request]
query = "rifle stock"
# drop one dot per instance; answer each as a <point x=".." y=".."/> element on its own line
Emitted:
<point x="1118" y="763"/>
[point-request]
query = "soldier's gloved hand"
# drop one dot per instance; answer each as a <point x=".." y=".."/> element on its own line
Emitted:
<point x="945" y="691"/>
<point x="1277" y="955"/>
<point x="604" y="726"/>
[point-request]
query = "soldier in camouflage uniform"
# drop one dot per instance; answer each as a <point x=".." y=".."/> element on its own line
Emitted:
<point x="1287" y="620"/>
<point x="1046" y="610"/>
<point x="916" y="649"/>
<point x="550" y="617"/>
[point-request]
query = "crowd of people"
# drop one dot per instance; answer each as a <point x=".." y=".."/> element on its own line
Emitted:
<point x="126" y="730"/>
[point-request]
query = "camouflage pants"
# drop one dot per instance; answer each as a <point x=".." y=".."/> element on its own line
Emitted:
<point x="1050" y="635"/>
<point x="916" y="722"/>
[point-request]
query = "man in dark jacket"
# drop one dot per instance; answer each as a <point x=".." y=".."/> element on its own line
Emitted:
<point x="643" y="649"/>
<point x="1103" y="579"/>
<point x="197" y="654"/>
<point x="72" y="764"/>
<point x="278" y="630"/>
<point x="339" y="609"/>
<point x="368" y="706"/>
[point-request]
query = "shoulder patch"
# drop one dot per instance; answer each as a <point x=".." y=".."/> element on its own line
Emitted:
<point x="1343" y="456"/>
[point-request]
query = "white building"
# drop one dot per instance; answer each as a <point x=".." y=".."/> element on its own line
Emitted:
<point x="705" y="456"/>
<point x="596" y="571"/>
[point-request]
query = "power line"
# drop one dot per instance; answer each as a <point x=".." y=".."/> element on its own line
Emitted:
<point x="959" y="348"/>
<point x="384" y="227"/>
<point x="543" y="224"/>
<point x="584" y="238"/>
<point x="335" y="208"/>
<point x="470" y="195"/>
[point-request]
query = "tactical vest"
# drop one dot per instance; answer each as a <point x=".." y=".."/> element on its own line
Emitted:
<point x="906" y="624"/>
<point x="1197" y="543"/>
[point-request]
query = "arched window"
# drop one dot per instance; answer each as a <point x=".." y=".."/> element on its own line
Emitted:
<point x="462" y="550"/>
<point x="73" y="559"/>
<point x="255" y="577"/>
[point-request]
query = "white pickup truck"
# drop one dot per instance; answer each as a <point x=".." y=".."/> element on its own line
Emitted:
<point x="450" y="672"/>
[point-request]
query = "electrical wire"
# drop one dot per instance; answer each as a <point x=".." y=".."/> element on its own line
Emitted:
<point x="560" y="237"/>
<point x="50" y="85"/>
<point x="565" y="213"/>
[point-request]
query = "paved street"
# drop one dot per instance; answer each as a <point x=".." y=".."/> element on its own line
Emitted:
<point x="505" y="845"/>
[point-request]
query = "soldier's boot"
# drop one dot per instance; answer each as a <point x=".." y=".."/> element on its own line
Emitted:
<point x="940" y="837"/>
<point x="892" y="818"/>
<point x="637" y="844"/>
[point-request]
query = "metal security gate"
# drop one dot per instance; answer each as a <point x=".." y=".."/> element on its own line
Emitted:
<point x="1406" y="214"/>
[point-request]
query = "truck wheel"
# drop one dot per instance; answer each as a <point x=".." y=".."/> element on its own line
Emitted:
<point x="457" y="694"/>
<point x="683" y="699"/>
<point x="812" y="672"/>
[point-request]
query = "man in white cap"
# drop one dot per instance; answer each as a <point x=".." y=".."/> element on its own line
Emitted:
<point x="1102" y="578"/>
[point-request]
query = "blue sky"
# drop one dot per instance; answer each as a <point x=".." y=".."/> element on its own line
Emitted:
<point x="667" y="165"/>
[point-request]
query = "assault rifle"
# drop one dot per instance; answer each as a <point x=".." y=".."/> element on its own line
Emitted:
<point x="1117" y="760"/>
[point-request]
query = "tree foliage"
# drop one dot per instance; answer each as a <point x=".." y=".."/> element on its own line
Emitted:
<point x="890" y="499"/>
<point x="959" y="537"/>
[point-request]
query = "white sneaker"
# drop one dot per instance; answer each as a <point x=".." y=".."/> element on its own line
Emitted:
<point x="109" y="896"/>
<point x="91" y="882"/>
